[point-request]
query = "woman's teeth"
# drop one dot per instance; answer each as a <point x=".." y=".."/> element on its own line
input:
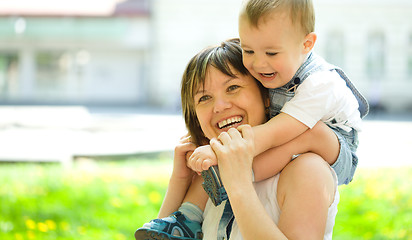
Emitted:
<point x="229" y="121"/>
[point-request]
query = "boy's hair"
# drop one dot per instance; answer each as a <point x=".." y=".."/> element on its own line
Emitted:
<point x="301" y="11"/>
<point x="225" y="56"/>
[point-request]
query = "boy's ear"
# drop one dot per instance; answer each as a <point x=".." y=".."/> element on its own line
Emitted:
<point x="309" y="42"/>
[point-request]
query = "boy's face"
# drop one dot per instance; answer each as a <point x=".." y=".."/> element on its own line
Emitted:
<point x="274" y="50"/>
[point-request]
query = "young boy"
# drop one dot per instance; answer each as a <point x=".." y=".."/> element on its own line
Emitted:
<point x="313" y="105"/>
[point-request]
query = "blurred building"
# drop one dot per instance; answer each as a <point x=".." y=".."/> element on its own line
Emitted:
<point x="133" y="52"/>
<point x="74" y="52"/>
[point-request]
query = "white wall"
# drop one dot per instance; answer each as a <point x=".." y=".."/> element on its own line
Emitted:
<point x="357" y="19"/>
<point x="182" y="28"/>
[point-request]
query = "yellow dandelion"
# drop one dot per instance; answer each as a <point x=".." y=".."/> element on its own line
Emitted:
<point x="31" y="235"/>
<point x="402" y="233"/>
<point x="130" y="190"/>
<point x="372" y="216"/>
<point x="81" y="230"/>
<point x="42" y="227"/>
<point x="18" y="236"/>
<point x="65" y="226"/>
<point x="368" y="235"/>
<point x="30" y="224"/>
<point x="371" y="191"/>
<point x="155" y="197"/>
<point x="141" y="200"/>
<point x="51" y="224"/>
<point x="116" y="202"/>
<point x="120" y="236"/>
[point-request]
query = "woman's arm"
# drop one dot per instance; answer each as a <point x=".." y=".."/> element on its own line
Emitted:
<point x="235" y="160"/>
<point x="180" y="179"/>
<point x="306" y="189"/>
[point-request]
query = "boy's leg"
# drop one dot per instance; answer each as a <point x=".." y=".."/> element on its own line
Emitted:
<point x="336" y="146"/>
<point x="195" y="201"/>
<point x="321" y="140"/>
<point x="196" y="195"/>
<point x="182" y="224"/>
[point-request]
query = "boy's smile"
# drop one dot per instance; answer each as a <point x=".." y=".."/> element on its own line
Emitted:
<point x="267" y="76"/>
<point x="274" y="50"/>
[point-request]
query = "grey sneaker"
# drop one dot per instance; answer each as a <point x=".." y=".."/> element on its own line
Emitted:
<point x="213" y="185"/>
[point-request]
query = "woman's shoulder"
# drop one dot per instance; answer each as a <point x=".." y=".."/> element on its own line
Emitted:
<point x="307" y="175"/>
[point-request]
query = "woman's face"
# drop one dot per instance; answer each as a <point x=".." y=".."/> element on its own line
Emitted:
<point x="225" y="102"/>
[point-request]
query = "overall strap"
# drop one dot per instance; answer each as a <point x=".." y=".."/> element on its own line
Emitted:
<point x="315" y="63"/>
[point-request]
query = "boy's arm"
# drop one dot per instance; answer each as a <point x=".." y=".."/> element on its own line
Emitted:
<point x="277" y="131"/>
<point x="268" y="136"/>
<point x="269" y="163"/>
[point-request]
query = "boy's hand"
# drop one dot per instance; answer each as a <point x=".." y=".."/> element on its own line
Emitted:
<point x="202" y="158"/>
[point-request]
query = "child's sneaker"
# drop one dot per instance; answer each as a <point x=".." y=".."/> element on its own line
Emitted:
<point x="213" y="185"/>
<point x="173" y="227"/>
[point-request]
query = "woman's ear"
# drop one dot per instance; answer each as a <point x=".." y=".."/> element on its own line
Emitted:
<point x="309" y="42"/>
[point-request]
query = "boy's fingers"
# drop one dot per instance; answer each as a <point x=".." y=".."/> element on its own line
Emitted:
<point x="199" y="165"/>
<point x="206" y="164"/>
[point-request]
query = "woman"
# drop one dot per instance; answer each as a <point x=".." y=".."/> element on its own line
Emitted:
<point x="300" y="202"/>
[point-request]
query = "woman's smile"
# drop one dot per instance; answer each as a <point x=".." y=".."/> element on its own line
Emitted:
<point x="230" y="122"/>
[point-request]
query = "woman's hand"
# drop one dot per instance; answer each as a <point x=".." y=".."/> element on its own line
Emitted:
<point x="234" y="150"/>
<point x="180" y="169"/>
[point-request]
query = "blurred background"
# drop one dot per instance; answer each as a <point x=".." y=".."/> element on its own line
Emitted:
<point x="94" y="86"/>
<point x="131" y="53"/>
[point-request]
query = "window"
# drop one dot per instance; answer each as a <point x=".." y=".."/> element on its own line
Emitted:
<point x="59" y="74"/>
<point x="9" y="75"/>
<point x="335" y="49"/>
<point x="51" y="71"/>
<point x="376" y="56"/>
<point x="410" y="57"/>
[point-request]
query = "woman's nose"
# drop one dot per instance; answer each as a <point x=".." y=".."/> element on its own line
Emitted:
<point x="221" y="104"/>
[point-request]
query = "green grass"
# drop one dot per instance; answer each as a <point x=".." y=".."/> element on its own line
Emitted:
<point x="110" y="199"/>
<point x="376" y="205"/>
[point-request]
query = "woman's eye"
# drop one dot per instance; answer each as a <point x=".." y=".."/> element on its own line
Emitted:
<point x="232" y="88"/>
<point x="203" y="98"/>
<point x="247" y="51"/>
